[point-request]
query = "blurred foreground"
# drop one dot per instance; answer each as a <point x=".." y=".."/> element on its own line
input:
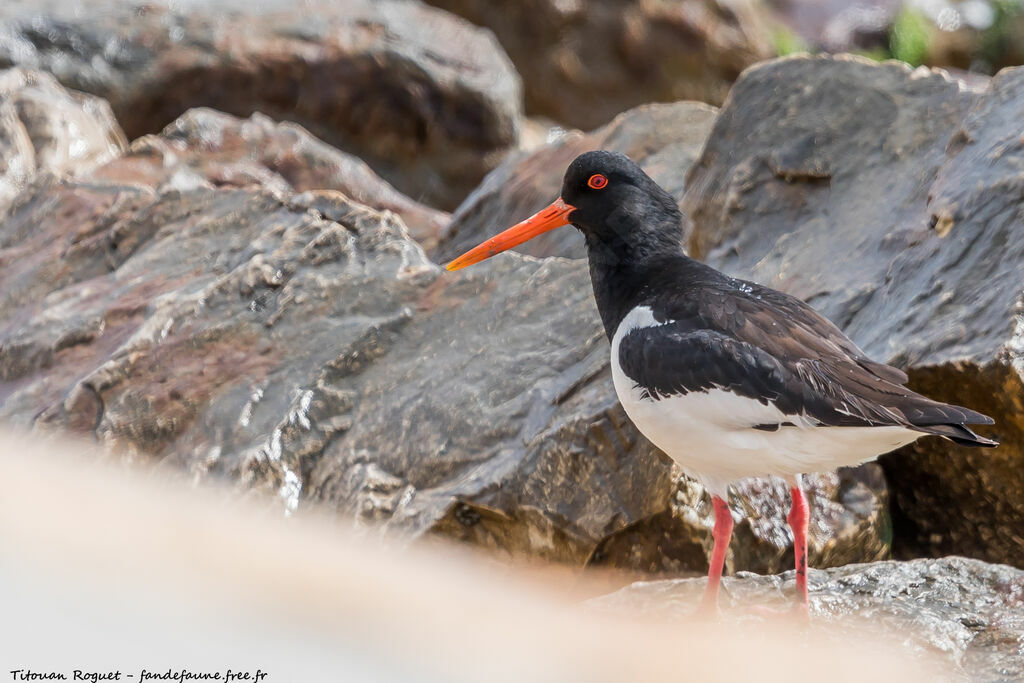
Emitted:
<point x="106" y="568"/>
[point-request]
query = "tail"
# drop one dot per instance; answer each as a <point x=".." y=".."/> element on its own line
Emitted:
<point x="949" y="421"/>
<point x="958" y="434"/>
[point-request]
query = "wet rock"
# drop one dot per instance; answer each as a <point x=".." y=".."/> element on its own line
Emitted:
<point x="889" y="199"/>
<point x="663" y="138"/>
<point x="44" y="127"/>
<point x="318" y="355"/>
<point x="584" y="62"/>
<point x="206" y="148"/>
<point x="430" y="102"/>
<point x="968" y="612"/>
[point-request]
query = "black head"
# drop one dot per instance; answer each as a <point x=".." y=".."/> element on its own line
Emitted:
<point x="619" y="209"/>
<point x="623" y="214"/>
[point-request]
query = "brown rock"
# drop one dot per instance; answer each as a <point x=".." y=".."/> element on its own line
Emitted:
<point x="430" y="102"/>
<point x="206" y="148"/>
<point x="889" y="199"/>
<point x="233" y="334"/>
<point x="318" y="355"/>
<point x="663" y="138"/>
<point x="584" y="62"/>
<point x="44" y="127"/>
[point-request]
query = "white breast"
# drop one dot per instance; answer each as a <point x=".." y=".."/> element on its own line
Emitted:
<point x="710" y="433"/>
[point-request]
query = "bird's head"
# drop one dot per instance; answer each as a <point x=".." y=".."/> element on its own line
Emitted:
<point x="620" y="210"/>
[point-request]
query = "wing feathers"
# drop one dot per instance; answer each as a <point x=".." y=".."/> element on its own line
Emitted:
<point x="766" y="345"/>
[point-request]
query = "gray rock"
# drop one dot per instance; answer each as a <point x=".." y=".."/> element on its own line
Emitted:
<point x="968" y="612"/>
<point x="308" y="348"/>
<point x="585" y="62"/>
<point x="430" y="102"/>
<point x="206" y="148"/>
<point x="663" y="138"/>
<point x="316" y="353"/>
<point x="890" y="200"/>
<point x="44" y="127"/>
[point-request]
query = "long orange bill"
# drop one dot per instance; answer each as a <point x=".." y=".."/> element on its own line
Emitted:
<point x="554" y="216"/>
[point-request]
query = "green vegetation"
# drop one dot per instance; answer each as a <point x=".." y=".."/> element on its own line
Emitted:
<point x="786" y="42"/>
<point x="910" y="36"/>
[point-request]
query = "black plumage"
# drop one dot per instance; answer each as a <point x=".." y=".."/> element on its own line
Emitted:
<point x="720" y="332"/>
<point x="680" y="328"/>
<point x="723" y="332"/>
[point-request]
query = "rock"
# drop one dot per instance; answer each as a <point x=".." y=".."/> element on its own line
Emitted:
<point x="314" y="352"/>
<point x="44" y="127"/>
<point x="888" y="198"/>
<point x="584" y="62"/>
<point x="849" y="523"/>
<point x="206" y="148"/>
<point x="317" y="354"/>
<point x="430" y="102"/>
<point x="663" y="138"/>
<point x="968" y="612"/>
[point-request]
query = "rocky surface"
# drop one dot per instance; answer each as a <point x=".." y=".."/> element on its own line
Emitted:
<point x="890" y="200"/>
<point x="429" y="101"/>
<point x="663" y="138"/>
<point x="968" y="612"/>
<point x="206" y="148"/>
<point x="44" y="127"/>
<point x="849" y="523"/>
<point x="584" y="62"/>
<point x="305" y="346"/>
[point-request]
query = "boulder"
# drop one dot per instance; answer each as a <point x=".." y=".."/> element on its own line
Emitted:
<point x="206" y="148"/>
<point x="969" y="613"/>
<point x="663" y="138"/>
<point x="429" y="101"/>
<point x="304" y="346"/>
<point x="584" y="62"/>
<point x="44" y="127"/>
<point x="889" y="199"/>
<point x="316" y="353"/>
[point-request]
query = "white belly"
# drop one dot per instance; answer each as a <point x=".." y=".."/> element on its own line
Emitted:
<point x="711" y="436"/>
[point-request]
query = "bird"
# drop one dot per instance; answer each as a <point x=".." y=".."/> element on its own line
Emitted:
<point x="729" y="378"/>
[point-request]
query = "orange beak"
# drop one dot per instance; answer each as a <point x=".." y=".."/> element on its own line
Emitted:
<point x="554" y="216"/>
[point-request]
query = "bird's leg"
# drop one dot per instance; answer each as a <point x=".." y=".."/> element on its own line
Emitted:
<point x="798" y="518"/>
<point x="722" y="533"/>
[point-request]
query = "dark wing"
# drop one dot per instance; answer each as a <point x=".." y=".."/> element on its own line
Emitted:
<point x="769" y="346"/>
<point x="670" y="360"/>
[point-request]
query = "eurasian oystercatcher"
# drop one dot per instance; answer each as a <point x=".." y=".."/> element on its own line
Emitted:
<point x="729" y="378"/>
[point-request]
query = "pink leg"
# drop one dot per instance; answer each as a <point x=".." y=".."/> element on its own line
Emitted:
<point x="722" y="533"/>
<point x="798" y="518"/>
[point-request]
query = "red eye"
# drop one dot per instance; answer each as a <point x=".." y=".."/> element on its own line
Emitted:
<point x="597" y="181"/>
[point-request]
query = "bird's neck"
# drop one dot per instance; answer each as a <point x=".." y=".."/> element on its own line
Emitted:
<point x="622" y="285"/>
<point x="627" y="249"/>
